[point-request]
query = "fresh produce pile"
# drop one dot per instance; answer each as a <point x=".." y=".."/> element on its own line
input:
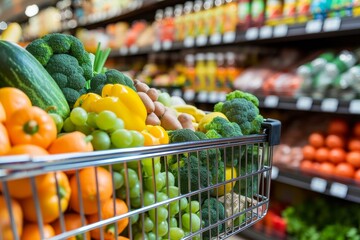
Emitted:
<point x="57" y="98"/>
<point x="335" y="152"/>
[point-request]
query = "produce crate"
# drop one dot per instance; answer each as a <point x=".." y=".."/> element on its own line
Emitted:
<point x="243" y="193"/>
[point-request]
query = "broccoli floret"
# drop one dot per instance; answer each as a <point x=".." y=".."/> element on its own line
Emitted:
<point x="218" y="107"/>
<point x="244" y="113"/>
<point x="63" y="54"/>
<point x="212" y="211"/>
<point x="191" y="172"/>
<point x="201" y="135"/>
<point x="40" y="50"/>
<point x="182" y="135"/>
<point x="213" y="134"/>
<point x="111" y="76"/>
<point x="71" y="95"/>
<point x="218" y="173"/>
<point x="239" y="94"/>
<point x="223" y="127"/>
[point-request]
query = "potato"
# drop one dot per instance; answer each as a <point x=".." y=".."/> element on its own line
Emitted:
<point x="153" y="94"/>
<point x="186" y="121"/>
<point x="169" y="121"/>
<point x="152" y="119"/>
<point x="140" y="86"/>
<point x="159" y="109"/>
<point x="149" y="104"/>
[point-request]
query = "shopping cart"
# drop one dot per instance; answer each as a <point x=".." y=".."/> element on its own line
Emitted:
<point x="168" y="191"/>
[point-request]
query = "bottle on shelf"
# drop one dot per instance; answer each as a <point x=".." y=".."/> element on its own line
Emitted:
<point x="158" y="24"/>
<point x="168" y="25"/>
<point x="230" y="16"/>
<point x="232" y="71"/>
<point x="289" y="11"/>
<point x="209" y="17"/>
<point x="210" y="72"/>
<point x="257" y="13"/>
<point x="315" y="66"/>
<point x="189" y="24"/>
<point x="244" y="14"/>
<point x="200" y="70"/>
<point x="190" y="73"/>
<point x="303" y="11"/>
<point x="200" y="21"/>
<point x="179" y="23"/>
<point x="219" y="16"/>
<point x="220" y="82"/>
<point x="273" y="12"/>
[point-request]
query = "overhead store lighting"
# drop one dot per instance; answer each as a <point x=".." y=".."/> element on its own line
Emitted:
<point x="3" y="25"/>
<point x="31" y="10"/>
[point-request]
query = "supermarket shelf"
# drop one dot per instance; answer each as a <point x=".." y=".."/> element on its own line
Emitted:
<point x="327" y="105"/>
<point x="312" y="29"/>
<point x="340" y="188"/>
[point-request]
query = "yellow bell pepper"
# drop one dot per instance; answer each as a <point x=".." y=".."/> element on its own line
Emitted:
<point x="86" y="100"/>
<point x="125" y="103"/>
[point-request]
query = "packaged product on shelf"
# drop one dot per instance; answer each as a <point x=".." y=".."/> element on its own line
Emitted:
<point x="273" y="12"/>
<point x="356" y="8"/>
<point x="158" y="24"/>
<point x="168" y="26"/>
<point x="189" y="21"/>
<point x="341" y="8"/>
<point x="289" y="11"/>
<point x="317" y="65"/>
<point x="200" y="70"/>
<point x="244" y="14"/>
<point x="219" y="16"/>
<point x="303" y="11"/>
<point x="320" y="8"/>
<point x="232" y="70"/>
<point x="220" y="82"/>
<point x="117" y="33"/>
<point x="210" y="72"/>
<point x="190" y="73"/>
<point x="257" y="13"/>
<point x="179" y="23"/>
<point x="230" y="17"/>
<point x="199" y="19"/>
<point x="210" y="17"/>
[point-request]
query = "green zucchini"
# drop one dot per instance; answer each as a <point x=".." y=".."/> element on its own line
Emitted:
<point x="20" y="69"/>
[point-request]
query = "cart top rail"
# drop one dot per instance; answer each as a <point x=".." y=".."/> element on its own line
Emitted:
<point x="12" y="167"/>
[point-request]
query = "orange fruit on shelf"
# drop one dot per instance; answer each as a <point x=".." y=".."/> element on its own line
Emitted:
<point x="354" y="144"/>
<point x="72" y="221"/>
<point x="327" y="168"/>
<point x="4" y="140"/>
<point x="5" y="221"/>
<point x="13" y="99"/>
<point x="316" y="140"/>
<point x="306" y="165"/>
<point x="338" y="126"/>
<point x="308" y="152"/>
<point x="354" y="159"/>
<point x="31" y="231"/>
<point x="344" y="170"/>
<point x="334" y="141"/>
<point x="322" y="154"/>
<point x="337" y="155"/>
<point x="87" y="181"/>
<point x="357" y="175"/>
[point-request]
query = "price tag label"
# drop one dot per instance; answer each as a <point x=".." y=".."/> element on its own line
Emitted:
<point x="354" y="106"/>
<point x="189" y="42"/>
<point x="222" y="97"/>
<point x="202" y="97"/>
<point x="177" y="92"/>
<point x="167" y="45"/>
<point x="274" y="172"/>
<point x="252" y="34"/>
<point x="156" y="46"/>
<point x="281" y="30"/>
<point x="134" y="49"/>
<point x="329" y="105"/>
<point x="229" y="37"/>
<point x="318" y="184"/>
<point x="215" y="39"/>
<point x="313" y="26"/>
<point x="213" y="97"/>
<point x="265" y="32"/>
<point x="189" y="95"/>
<point x="332" y="24"/>
<point x="124" y="51"/>
<point x="201" y="40"/>
<point x="304" y="103"/>
<point x="271" y="101"/>
<point x="338" y="190"/>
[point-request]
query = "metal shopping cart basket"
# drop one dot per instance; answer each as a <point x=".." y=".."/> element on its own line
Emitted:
<point x="208" y="189"/>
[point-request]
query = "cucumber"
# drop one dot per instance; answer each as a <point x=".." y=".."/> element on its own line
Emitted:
<point x="20" y="69"/>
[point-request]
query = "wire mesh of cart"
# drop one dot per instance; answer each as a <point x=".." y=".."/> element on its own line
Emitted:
<point x="209" y="189"/>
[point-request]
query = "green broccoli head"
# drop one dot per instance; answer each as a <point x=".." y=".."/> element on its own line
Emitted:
<point x="182" y="135"/>
<point x="218" y="107"/>
<point x="66" y="72"/>
<point x="245" y="95"/>
<point x="223" y="127"/>
<point x="213" y="134"/>
<point x="59" y="43"/>
<point x="192" y="176"/>
<point x="218" y="172"/>
<point x="212" y="211"/>
<point x="201" y="135"/>
<point x="97" y="83"/>
<point x="40" y="50"/>
<point x="71" y="95"/>
<point x="243" y="112"/>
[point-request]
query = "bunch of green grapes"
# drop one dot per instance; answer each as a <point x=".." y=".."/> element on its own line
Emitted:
<point x="172" y="220"/>
<point x="105" y="127"/>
